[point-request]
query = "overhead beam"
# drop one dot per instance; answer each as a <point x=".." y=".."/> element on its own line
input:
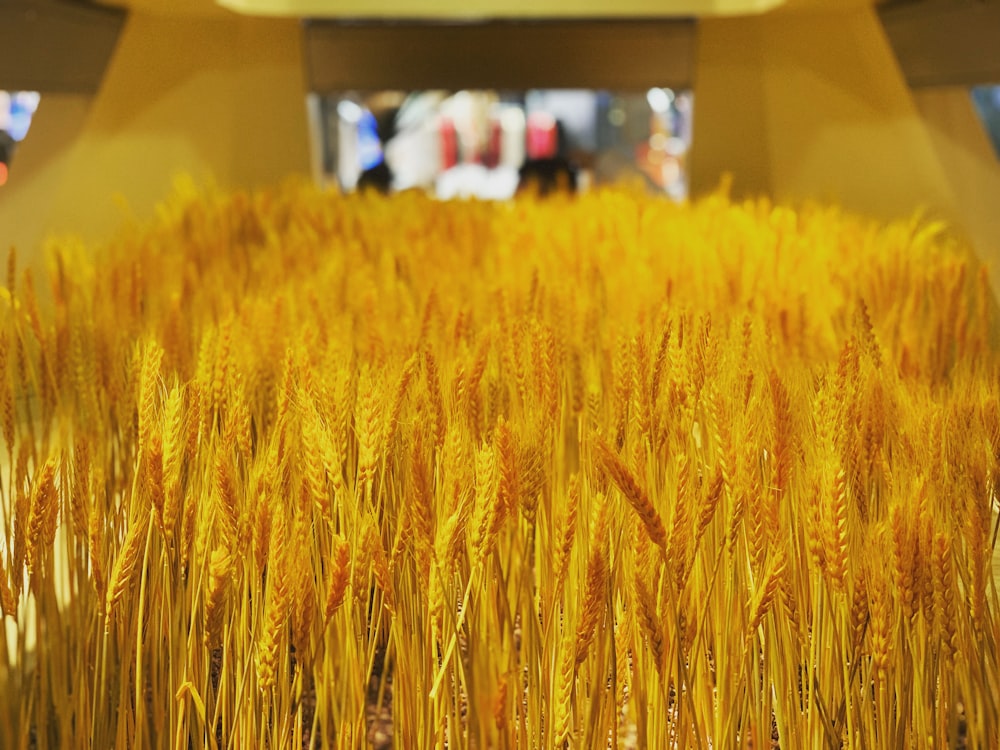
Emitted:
<point x="56" y="46"/>
<point x="622" y="54"/>
<point x="945" y="42"/>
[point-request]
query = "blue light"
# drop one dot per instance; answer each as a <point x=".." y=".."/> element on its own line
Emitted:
<point x="986" y="100"/>
<point x="16" y="110"/>
<point x="369" y="145"/>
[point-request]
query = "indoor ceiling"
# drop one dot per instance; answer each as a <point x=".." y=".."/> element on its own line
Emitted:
<point x="468" y="10"/>
<point x="472" y="9"/>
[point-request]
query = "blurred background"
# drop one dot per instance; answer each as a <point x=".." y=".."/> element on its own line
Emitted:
<point x="473" y="143"/>
<point x="883" y="107"/>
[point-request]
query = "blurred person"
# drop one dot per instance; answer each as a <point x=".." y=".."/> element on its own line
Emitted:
<point x="378" y="176"/>
<point x="550" y="173"/>
<point x="546" y="176"/>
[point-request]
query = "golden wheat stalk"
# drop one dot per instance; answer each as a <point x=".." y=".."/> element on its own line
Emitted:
<point x="44" y="508"/>
<point x="8" y="602"/>
<point x="616" y="470"/>
<point x="275" y="606"/>
<point x="596" y="586"/>
<point x="128" y="557"/>
<point x="173" y="448"/>
<point x="340" y="576"/>
<point x="220" y="569"/>
<point x="562" y="700"/>
<point x="152" y="358"/>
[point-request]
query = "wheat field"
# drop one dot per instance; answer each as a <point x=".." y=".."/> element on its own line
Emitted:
<point x="291" y="469"/>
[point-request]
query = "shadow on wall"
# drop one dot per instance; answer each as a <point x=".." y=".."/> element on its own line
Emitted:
<point x="38" y="173"/>
<point x="972" y="167"/>
<point x="220" y="99"/>
<point x="833" y="122"/>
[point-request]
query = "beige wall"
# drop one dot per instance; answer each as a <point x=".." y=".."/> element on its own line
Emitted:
<point x="730" y="124"/>
<point x="216" y="98"/>
<point x="804" y="105"/>
<point x="39" y="170"/>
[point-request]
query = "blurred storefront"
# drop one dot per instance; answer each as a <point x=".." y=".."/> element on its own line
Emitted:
<point x="475" y="142"/>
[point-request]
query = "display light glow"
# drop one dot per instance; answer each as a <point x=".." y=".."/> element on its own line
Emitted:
<point x="659" y="99"/>
<point x="349" y="111"/>
<point x="16" y="111"/>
